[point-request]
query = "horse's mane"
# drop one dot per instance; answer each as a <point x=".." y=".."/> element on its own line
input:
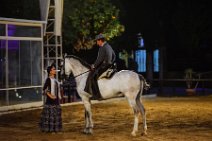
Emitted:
<point x="84" y="63"/>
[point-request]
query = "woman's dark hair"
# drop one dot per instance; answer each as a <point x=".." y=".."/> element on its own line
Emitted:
<point x="49" y="69"/>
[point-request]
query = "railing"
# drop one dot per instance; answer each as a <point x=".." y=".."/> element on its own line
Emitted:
<point x="178" y="87"/>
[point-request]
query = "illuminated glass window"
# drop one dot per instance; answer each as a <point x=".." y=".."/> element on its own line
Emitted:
<point x="23" y="31"/>
<point x="21" y="46"/>
<point x="141" y="42"/>
<point x="140" y="58"/>
<point x="156" y="60"/>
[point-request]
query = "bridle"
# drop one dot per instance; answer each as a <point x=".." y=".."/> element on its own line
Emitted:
<point x="76" y="75"/>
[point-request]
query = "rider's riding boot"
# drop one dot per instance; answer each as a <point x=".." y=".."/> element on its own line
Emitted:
<point x="96" y="92"/>
<point x="88" y="86"/>
<point x="87" y="89"/>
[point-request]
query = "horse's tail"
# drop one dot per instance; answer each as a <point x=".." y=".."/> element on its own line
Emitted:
<point x="146" y="86"/>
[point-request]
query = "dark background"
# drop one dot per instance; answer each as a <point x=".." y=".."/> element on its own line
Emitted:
<point x="183" y="28"/>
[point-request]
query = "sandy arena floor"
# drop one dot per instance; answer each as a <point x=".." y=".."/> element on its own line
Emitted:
<point x="168" y="119"/>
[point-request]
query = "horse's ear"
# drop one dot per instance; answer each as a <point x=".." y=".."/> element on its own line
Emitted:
<point x="65" y="55"/>
<point x="61" y="62"/>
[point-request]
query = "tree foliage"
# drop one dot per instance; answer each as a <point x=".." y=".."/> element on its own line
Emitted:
<point x="83" y="19"/>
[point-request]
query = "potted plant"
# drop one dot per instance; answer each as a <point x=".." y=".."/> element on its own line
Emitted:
<point x="189" y="76"/>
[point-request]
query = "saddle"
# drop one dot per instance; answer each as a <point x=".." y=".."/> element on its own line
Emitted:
<point x="93" y="88"/>
<point x="109" y="72"/>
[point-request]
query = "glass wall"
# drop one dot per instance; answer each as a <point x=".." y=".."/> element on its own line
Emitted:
<point x="2" y="29"/>
<point x="20" y="96"/>
<point x="20" y="62"/>
<point x="2" y="63"/>
<point x="23" y="31"/>
<point x="24" y="63"/>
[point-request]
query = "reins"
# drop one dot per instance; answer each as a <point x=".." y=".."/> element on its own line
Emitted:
<point x="78" y="60"/>
<point x="81" y="74"/>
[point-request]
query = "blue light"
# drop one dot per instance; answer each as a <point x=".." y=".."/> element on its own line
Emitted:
<point x="13" y="44"/>
<point x="141" y="42"/>
<point x="156" y="60"/>
<point x="140" y="58"/>
<point x="11" y="30"/>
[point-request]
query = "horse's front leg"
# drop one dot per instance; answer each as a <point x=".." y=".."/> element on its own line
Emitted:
<point x="88" y="117"/>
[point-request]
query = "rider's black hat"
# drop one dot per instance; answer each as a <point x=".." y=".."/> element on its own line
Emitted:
<point x="100" y="36"/>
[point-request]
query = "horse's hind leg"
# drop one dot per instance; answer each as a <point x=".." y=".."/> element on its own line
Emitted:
<point x="143" y="112"/>
<point x="136" y="114"/>
<point x="136" y="120"/>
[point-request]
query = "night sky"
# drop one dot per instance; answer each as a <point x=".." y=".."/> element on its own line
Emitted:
<point x="182" y="27"/>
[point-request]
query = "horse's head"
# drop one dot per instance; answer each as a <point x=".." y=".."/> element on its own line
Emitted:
<point x="73" y="65"/>
<point x="61" y="68"/>
<point x="64" y="72"/>
<point x="66" y="68"/>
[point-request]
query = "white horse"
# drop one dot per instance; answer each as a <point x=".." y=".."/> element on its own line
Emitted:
<point x="124" y="83"/>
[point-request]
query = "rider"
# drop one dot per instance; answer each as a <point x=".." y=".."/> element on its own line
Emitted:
<point x="105" y="59"/>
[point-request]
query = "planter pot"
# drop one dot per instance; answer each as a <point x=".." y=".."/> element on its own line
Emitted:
<point x="190" y="92"/>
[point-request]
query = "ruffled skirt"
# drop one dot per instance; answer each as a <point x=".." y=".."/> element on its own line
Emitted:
<point x="51" y="120"/>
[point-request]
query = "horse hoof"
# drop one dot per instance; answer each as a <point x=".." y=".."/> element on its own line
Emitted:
<point x="85" y="131"/>
<point x="133" y="134"/>
<point x="88" y="131"/>
<point x="144" y="134"/>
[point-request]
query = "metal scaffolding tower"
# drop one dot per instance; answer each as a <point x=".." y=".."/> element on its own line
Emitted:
<point x="52" y="36"/>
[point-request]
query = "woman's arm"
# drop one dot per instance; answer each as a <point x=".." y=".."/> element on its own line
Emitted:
<point x="50" y="95"/>
<point x="47" y="89"/>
